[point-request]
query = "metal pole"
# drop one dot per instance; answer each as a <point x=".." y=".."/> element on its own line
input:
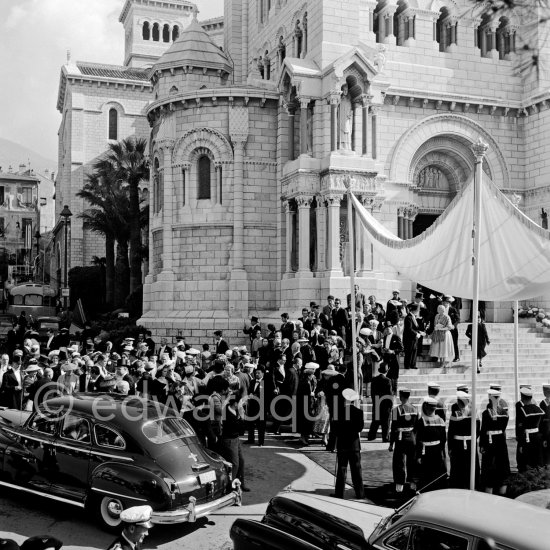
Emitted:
<point x="479" y="150"/>
<point x="65" y="263"/>
<point x="516" y="352"/>
<point x="352" y="290"/>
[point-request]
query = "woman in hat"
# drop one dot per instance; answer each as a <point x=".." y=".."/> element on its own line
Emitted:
<point x="495" y="464"/>
<point x="31" y="374"/>
<point x="68" y="381"/>
<point x="482" y="339"/>
<point x="442" y="341"/>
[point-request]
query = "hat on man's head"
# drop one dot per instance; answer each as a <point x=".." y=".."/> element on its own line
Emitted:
<point x="462" y="387"/>
<point x="395" y="292"/>
<point x="329" y="371"/>
<point x="311" y="366"/>
<point x="493" y="393"/>
<point x="383" y="368"/>
<point x="41" y="542"/>
<point x="18" y="353"/>
<point x="350" y="394"/>
<point x="254" y="319"/>
<point x="546" y="386"/>
<point x="526" y="391"/>
<point x="32" y="368"/>
<point x="496" y="387"/>
<point x="388" y="324"/>
<point x="430" y="402"/>
<point x="137" y="515"/>
<point x="405" y="392"/>
<point x="434" y="385"/>
<point x="462" y="396"/>
<point x="365" y="331"/>
<point x="448" y="298"/>
<point x="64" y="330"/>
<point x="419" y="295"/>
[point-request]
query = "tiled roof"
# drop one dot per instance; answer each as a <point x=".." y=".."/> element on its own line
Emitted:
<point x="113" y="71"/>
<point x="17" y="177"/>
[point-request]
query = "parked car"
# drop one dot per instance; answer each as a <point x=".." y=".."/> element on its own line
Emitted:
<point x="450" y="519"/>
<point x="107" y="453"/>
<point x="43" y="324"/>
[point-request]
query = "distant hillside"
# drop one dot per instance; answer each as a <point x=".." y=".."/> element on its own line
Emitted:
<point x="14" y="154"/>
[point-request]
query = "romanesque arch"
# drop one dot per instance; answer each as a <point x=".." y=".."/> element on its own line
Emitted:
<point x="452" y="125"/>
<point x="206" y="138"/>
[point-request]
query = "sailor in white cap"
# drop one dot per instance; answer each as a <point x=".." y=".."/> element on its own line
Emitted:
<point x="431" y="436"/>
<point x="402" y="438"/>
<point x="460" y="442"/>
<point x="348" y="427"/>
<point x="528" y="418"/>
<point x="495" y="464"/>
<point x="136" y="522"/>
<point x="433" y="391"/>
<point x="545" y="424"/>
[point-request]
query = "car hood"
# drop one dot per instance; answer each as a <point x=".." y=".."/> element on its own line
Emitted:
<point x="13" y="417"/>
<point x="365" y="516"/>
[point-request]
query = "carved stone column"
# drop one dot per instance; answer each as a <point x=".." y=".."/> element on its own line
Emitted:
<point x="374" y="123"/>
<point x="365" y="102"/>
<point x="291" y="119"/>
<point x="406" y="224"/>
<point x="413" y="211"/>
<point x="334" y="101"/>
<point x="304" y="103"/>
<point x="356" y="132"/>
<point x="185" y="176"/>
<point x="289" y="236"/>
<point x="321" y="233"/>
<point x="304" y="208"/>
<point x="167" y="146"/>
<point x="400" y="223"/>
<point x="334" y="267"/>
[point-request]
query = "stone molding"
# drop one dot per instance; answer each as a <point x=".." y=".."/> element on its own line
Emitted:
<point x="360" y="182"/>
<point x="209" y="138"/>
<point x="432" y="126"/>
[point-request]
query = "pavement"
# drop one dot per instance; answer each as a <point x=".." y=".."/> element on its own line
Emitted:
<point x="277" y="466"/>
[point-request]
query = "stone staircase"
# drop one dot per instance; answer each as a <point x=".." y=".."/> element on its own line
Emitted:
<point x="498" y="367"/>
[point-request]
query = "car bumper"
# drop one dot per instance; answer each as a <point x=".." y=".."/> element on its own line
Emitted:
<point x="191" y="512"/>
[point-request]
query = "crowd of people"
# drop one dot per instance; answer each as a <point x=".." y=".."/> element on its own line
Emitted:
<point x="299" y="374"/>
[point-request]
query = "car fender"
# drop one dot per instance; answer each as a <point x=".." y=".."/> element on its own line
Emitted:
<point x="133" y="484"/>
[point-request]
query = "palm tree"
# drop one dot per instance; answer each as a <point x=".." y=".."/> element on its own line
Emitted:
<point x="109" y="216"/>
<point x="129" y="162"/>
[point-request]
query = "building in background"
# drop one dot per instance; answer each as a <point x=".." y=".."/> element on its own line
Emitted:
<point x="19" y="221"/>
<point x="102" y="104"/>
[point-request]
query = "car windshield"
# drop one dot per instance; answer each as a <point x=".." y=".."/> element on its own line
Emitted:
<point x="388" y="521"/>
<point x="49" y="324"/>
<point x="164" y="430"/>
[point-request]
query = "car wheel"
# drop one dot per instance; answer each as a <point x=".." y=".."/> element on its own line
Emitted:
<point x="108" y="512"/>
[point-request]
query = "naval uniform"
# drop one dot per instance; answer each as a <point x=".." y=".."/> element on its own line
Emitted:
<point x="460" y="444"/>
<point x="431" y="436"/>
<point x="544" y="429"/>
<point x="402" y="437"/>
<point x="495" y="464"/>
<point x="529" y="451"/>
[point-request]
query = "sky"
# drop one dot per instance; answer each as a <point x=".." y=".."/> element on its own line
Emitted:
<point x="34" y="38"/>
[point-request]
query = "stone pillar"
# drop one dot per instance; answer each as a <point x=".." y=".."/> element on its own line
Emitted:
<point x="304" y="208"/>
<point x="374" y="111"/>
<point x="334" y="101"/>
<point x="304" y="103"/>
<point x="494" y="48"/>
<point x="321" y="233"/>
<point x="365" y="102"/>
<point x="289" y="236"/>
<point x="483" y="43"/>
<point x="291" y="111"/>
<point x="400" y="223"/>
<point x="413" y="211"/>
<point x="410" y="23"/>
<point x="388" y="26"/>
<point x="334" y="266"/>
<point x="406" y="225"/>
<point x="168" y="209"/>
<point x="365" y="259"/>
<point x="185" y="184"/>
<point x="214" y="185"/>
<point x="238" y="203"/>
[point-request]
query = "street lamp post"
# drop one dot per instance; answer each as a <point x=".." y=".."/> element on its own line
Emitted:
<point x="37" y="259"/>
<point x="66" y="215"/>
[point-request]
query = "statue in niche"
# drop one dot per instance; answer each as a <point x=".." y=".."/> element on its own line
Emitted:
<point x="345" y="119"/>
<point x="544" y="218"/>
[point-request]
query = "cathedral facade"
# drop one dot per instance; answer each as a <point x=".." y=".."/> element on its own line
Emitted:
<point x="252" y="144"/>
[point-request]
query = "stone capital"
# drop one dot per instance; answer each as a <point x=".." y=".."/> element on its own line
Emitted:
<point x="304" y="102"/>
<point x="304" y="201"/>
<point x="288" y="206"/>
<point x="238" y="140"/>
<point x="334" y="97"/>
<point x="333" y="199"/>
<point x="366" y="99"/>
<point x="479" y="149"/>
<point x="166" y="144"/>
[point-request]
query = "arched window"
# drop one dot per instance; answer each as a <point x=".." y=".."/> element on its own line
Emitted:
<point x="166" y="33"/>
<point x="204" y="177"/>
<point x="175" y="33"/>
<point x="146" y="32"/>
<point x="113" y="124"/>
<point x="156" y="32"/>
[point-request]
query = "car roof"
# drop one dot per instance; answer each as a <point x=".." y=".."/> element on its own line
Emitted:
<point x="119" y="409"/>
<point x="505" y="520"/>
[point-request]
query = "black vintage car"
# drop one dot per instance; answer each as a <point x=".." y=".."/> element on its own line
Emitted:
<point x="108" y="453"/>
<point x="450" y="519"/>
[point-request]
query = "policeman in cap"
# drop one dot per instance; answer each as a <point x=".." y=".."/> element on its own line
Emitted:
<point x="136" y="522"/>
<point x="545" y="424"/>
<point x="433" y="392"/>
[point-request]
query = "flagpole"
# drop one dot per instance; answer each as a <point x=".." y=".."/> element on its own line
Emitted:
<point x="516" y="351"/>
<point x="351" y="254"/>
<point x="479" y="149"/>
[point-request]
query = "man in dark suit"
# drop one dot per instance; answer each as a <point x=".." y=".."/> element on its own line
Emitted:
<point x="333" y="393"/>
<point x="287" y="327"/>
<point x="164" y="348"/>
<point x="253" y="328"/>
<point x="348" y="447"/>
<point x="221" y="345"/>
<point x="12" y="340"/>
<point x="360" y="300"/>
<point x="411" y="335"/>
<point x="391" y="348"/>
<point x="12" y="384"/>
<point x="382" y="403"/>
<point x="393" y="307"/>
<point x="339" y="319"/>
<point x="255" y="411"/>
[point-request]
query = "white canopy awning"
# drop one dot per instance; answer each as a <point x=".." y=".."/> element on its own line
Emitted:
<point x="514" y="254"/>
